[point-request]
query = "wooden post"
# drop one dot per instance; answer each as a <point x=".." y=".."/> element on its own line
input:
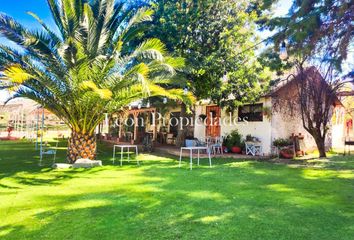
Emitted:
<point x="135" y="114"/>
<point x="155" y="126"/>
<point x="120" y="130"/>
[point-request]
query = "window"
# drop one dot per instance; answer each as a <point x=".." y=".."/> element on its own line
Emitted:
<point x="251" y="113"/>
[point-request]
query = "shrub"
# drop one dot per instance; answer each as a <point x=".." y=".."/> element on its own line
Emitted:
<point x="233" y="139"/>
<point x="249" y="137"/>
<point x="281" y="142"/>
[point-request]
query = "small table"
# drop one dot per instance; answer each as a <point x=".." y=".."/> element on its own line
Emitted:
<point x="191" y="154"/>
<point x="254" y="148"/>
<point x="122" y="150"/>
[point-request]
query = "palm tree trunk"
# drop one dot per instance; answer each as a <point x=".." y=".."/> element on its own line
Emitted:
<point x="81" y="146"/>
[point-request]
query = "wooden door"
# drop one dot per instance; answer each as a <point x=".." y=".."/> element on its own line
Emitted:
<point x="213" y="121"/>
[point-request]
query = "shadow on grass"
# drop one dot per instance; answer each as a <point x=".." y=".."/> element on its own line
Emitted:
<point x="20" y="162"/>
<point x="235" y="199"/>
<point x="244" y="201"/>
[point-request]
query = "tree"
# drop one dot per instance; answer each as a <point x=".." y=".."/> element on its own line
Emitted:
<point x="214" y="37"/>
<point x="310" y="21"/>
<point x="317" y="33"/>
<point x="314" y="99"/>
<point x="94" y="63"/>
<point x="217" y="38"/>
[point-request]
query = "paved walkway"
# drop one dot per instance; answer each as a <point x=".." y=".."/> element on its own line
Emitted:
<point x="175" y="151"/>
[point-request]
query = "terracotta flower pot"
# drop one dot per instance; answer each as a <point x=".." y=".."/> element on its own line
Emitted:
<point x="235" y="149"/>
<point x="287" y="153"/>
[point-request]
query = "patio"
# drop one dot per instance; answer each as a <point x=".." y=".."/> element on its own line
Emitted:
<point x="175" y="151"/>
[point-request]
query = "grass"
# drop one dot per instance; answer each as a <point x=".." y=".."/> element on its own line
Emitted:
<point x="231" y="200"/>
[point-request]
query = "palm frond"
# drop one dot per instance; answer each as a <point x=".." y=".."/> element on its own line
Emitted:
<point x="16" y="74"/>
<point x="11" y="29"/>
<point x="151" y="49"/>
<point x="105" y="94"/>
<point x="90" y="66"/>
<point x="56" y="14"/>
<point x="52" y="34"/>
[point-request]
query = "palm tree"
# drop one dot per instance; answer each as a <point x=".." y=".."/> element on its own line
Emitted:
<point x="95" y="62"/>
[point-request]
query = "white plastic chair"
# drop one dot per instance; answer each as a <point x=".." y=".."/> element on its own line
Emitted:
<point x="217" y="146"/>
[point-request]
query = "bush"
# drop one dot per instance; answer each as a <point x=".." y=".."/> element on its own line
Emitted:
<point x="282" y="142"/>
<point x="234" y="139"/>
<point x="249" y="138"/>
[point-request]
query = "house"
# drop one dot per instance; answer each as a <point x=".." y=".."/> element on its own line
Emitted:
<point x="268" y="119"/>
<point x="347" y="98"/>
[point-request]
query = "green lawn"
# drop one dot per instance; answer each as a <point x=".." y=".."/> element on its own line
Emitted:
<point x="232" y="200"/>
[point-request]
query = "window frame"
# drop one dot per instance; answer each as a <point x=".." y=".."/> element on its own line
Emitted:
<point x="251" y="115"/>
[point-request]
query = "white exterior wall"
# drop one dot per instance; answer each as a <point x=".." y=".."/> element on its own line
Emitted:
<point x="199" y="128"/>
<point x="261" y="130"/>
<point x="338" y="128"/>
<point x="279" y="125"/>
<point x="338" y="136"/>
<point x="284" y="125"/>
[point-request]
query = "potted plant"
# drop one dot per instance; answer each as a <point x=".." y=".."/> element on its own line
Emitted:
<point x="234" y="142"/>
<point x="283" y="147"/>
<point x="281" y="142"/>
<point x="287" y="153"/>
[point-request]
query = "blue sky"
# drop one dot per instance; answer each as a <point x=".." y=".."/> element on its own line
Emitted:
<point x="18" y="9"/>
<point x="19" y="12"/>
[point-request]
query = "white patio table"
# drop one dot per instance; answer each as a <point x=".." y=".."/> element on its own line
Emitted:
<point x="191" y="149"/>
<point x="122" y="150"/>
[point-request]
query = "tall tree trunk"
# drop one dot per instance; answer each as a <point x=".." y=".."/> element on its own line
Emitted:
<point x="320" y="142"/>
<point x="81" y="146"/>
<point x="182" y="130"/>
